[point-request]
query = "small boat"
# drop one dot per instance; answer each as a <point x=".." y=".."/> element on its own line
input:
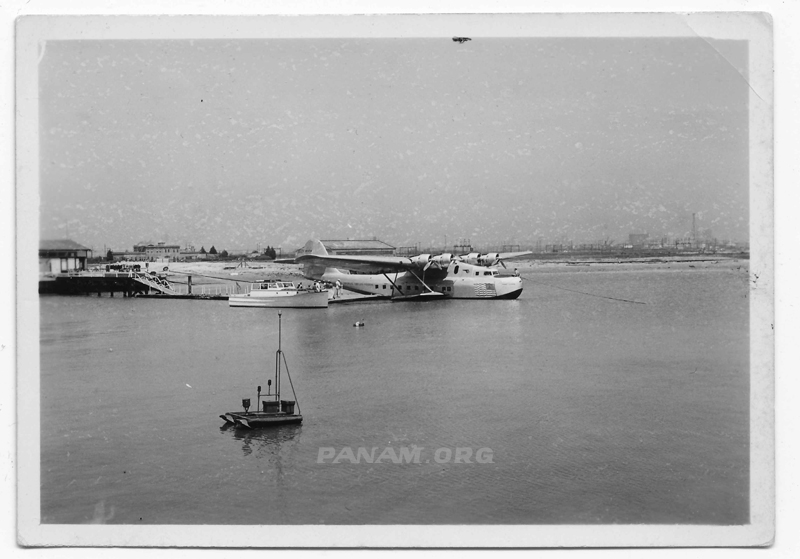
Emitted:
<point x="271" y="411"/>
<point x="280" y="294"/>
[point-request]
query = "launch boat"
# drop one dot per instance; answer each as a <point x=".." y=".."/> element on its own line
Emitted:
<point x="270" y="410"/>
<point x="280" y="294"/>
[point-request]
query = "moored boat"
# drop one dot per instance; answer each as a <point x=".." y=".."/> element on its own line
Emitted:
<point x="271" y="411"/>
<point x="280" y="294"/>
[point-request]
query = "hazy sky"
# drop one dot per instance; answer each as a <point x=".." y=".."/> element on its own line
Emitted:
<point x="239" y="142"/>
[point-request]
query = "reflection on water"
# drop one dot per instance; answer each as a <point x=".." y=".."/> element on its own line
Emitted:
<point x="596" y="411"/>
<point x="263" y="443"/>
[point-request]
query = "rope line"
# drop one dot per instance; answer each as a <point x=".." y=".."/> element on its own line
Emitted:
<point x="228" y="279"/>
<point x="296" y="401"/>
<point x="205" y="276"/>
<point x="584" y="293"/>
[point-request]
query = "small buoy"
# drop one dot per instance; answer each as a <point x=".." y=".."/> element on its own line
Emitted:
<point x="111" y="349"/>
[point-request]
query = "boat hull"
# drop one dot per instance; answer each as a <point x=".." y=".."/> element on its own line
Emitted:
<point x="257" y="420"/>
<point x="301" y="300"/>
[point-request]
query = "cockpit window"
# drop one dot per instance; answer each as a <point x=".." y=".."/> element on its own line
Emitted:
<point x="455" y="270"/>
<point x="487" y="273"/>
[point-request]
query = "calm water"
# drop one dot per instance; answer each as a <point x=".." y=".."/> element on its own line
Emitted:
<point x="596" y="411"/>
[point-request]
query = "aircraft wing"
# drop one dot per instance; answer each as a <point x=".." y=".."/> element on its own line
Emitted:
<point x="510" y="255"/>
<point x="373" y="264"/>
<point x="386" y="264"/>
<point x="491" y="258"/>
<point x="501" y="257"/>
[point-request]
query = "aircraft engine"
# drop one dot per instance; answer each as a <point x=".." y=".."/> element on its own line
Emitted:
<point x="442" y="260"/>
<point x="477" y="259"/>
<point x="421" y="260"/>
<point x="471" y="258"/>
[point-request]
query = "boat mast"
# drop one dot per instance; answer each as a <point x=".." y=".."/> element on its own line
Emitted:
<point x="278" y="362"/>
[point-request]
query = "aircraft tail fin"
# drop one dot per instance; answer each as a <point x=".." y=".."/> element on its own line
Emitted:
<point x="315" y="247"/>
<point x="313" y="270"/>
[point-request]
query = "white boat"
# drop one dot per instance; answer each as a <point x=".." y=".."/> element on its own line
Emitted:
<point x="280" y="294"/>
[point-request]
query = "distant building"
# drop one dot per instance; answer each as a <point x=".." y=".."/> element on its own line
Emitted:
<point x="141" y="246"/>
<point x="157" y="250"/>
<point x="62" y="256"/>
<point x="637" y="240"/>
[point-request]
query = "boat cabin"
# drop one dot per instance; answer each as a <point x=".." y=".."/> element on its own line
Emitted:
<point x="274" y="285"/>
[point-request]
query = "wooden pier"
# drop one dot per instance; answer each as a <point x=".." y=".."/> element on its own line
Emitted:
<point x="128" y="284"/>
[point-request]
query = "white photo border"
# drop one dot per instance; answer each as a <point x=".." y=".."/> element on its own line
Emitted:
<point x="754" y="27"/>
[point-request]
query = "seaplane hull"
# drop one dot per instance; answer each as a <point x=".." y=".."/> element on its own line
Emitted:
<point x="404" y="286"/>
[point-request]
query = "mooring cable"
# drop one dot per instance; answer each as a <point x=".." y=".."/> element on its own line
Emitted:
<point x="204" y="276"/>
<point x="296" y="401"/>
<point x="254" y="280"/>
<point x="583" y="292"/>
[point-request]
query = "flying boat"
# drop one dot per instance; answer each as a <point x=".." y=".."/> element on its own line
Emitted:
<point x="422" y="277"/>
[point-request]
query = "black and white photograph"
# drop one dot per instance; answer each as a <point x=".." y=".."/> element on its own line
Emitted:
<point x="502" y="280"/>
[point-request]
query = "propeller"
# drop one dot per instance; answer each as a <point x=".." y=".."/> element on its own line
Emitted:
<point x="422" y="260"/>
<point x="443" y="260"/>
<point x="439" y="261"/>
<point x="478" y="259"/>
<point x="473" y="258"/>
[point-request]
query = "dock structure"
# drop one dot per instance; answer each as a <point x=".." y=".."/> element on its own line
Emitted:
<point x="62" y="256"/>
<point x="62" y="270"/>
<point x="129" y="284"/>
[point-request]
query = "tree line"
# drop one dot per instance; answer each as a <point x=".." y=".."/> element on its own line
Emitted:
<point x="269" y="252"/>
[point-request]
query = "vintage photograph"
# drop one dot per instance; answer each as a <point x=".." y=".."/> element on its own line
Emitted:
<point x="464" y="273"/>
